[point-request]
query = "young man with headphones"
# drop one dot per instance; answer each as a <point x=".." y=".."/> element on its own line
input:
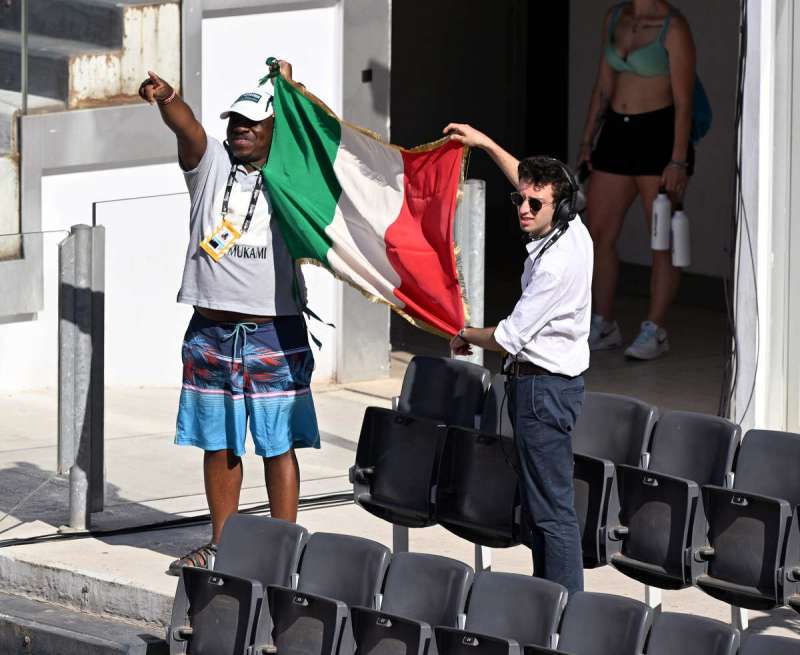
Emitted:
<point x="545" y="339"/>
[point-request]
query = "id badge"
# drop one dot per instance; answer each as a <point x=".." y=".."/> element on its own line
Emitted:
<point x="220" y="240"/>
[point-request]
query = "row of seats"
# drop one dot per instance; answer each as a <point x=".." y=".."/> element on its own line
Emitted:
<point x="275" y="589"/>
<point x="671" y="500"/>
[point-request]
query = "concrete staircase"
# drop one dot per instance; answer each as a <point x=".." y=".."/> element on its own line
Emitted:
<point x="90" y="52"/>
<point x="82" y="53"/>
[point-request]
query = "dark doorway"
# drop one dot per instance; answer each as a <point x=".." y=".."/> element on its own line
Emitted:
<point x="502" y="67"/>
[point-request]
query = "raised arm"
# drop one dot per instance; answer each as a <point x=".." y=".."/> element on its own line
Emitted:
<point x="178" y="117"/>
<point x="471" y="137"/>
<point x="601" y="99"/>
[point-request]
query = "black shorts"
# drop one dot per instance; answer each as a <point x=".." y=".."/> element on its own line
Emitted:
<point x="637" y="144"/>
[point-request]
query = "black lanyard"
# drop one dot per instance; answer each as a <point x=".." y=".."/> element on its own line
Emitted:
<point x="253" y="198"/>
<point x="557" y="234"/>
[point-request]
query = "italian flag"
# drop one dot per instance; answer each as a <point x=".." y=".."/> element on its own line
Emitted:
<point x="377" y="216"/>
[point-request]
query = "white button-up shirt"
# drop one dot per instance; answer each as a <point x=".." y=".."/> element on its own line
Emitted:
<point x="550" y="323"/>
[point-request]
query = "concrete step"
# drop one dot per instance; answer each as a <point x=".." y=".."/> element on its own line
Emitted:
<point x="29" y="626"/>
<point x="85" y="74"/>
<point x="101" y="22"/>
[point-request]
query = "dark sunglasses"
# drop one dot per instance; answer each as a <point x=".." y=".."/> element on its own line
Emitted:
<point x="534" y="203"/>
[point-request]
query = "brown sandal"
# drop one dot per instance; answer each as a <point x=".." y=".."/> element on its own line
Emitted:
<point x="202" y="557"/>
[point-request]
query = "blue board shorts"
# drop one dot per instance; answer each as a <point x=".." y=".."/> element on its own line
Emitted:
<point x="235" y="373"/>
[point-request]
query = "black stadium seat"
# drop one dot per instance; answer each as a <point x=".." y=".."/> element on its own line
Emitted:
<point x="477" y="495"/>
<point x="397" y="460"/>
<point x="451" y="391"/>
<point x="601" y="624"/>
<point x="223" y="611"/>
<point x="495" y="417"/>
<point x="662" y="519"/>
<point x="421" y="591"/>
<point x="754" y="554"/>
<point x="686" y="634"/>
<point x="337" y="571"/>
<point x="505" y="612"/>
<point x="769" y="645"/>
<point x="611" y="430"/>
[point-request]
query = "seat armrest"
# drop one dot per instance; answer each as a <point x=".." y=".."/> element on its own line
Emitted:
<point x="360" y="474"/>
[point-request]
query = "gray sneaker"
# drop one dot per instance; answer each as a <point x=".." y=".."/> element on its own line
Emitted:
<point x="651" y="343"/>
<point x="603" y="334"/>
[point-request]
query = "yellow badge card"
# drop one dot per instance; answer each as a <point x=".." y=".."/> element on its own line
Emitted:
<point x="220" y="240"/>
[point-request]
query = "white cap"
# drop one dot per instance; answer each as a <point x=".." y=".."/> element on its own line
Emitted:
<point x="255" y="105"/>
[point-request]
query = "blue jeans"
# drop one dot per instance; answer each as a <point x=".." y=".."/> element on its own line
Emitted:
<point x="543" y="410"/>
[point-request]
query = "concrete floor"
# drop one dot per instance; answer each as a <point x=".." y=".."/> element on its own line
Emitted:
<point x="150" y="480"/>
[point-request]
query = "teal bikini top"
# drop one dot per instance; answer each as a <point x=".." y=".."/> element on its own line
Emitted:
<point x="648" y="61"/>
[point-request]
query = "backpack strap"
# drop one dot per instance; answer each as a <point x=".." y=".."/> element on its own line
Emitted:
<point x="665" y="27"/>
<point x="616" y="10"/>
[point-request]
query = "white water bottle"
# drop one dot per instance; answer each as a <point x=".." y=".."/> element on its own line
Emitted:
<point x="681" y="243"/>
<point x="662" y="209"/>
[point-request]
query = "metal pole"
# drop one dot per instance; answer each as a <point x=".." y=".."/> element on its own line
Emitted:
<point x="81" y="277"/>
<point x="470" y="236"/>
<point x="23" y="72"/>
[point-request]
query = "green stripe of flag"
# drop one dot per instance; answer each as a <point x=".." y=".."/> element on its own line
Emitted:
<point x="305" y="141"/>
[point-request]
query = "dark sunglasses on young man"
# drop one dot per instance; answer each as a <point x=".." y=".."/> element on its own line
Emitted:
<point x="534" y="203"/>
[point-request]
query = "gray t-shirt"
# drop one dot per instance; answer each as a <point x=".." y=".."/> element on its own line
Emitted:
<point x="256" y="275"/>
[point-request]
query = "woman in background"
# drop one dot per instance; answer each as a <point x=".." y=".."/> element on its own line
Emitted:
<point x="641" y="107"/>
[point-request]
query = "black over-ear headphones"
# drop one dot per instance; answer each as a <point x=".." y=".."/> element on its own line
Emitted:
<point x="568" y="208"/>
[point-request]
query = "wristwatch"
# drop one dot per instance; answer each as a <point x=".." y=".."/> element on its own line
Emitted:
<point x="461" y="333"/>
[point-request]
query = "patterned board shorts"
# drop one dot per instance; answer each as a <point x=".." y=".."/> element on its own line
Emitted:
<point x="235" y="373"/>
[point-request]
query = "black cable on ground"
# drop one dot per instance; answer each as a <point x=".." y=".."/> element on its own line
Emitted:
<point x="306" y="503"/>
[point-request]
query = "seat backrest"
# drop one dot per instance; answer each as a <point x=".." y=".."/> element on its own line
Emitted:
<point x="686" y="634"/>
<point x="604" y="624"/>
<point x="340" y="566"/>
<point x="514" y="606"/>
<point x="694" y="446"/>
<point x="495" y="416"/>
<point x="448" y="390"/>
<point x="769" y="645"/>
<point x="767" y="464"/>
<point x="612" y="427"/>
<point x="428" y="588"/>
<point x="260" y="548"/>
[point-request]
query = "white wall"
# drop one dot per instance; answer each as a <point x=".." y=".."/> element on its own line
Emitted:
<point x="29" y="348"/>
<point x="714" y="25"/>
<point x="310" y="39"/>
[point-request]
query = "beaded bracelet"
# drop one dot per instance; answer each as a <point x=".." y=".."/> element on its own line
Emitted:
<point x="679" y="164"/>
<point x="168" y="99"/>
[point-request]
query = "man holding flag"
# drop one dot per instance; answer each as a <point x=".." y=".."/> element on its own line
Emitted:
<point x="545" y="339"/>
<point x="246" y="357"/>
